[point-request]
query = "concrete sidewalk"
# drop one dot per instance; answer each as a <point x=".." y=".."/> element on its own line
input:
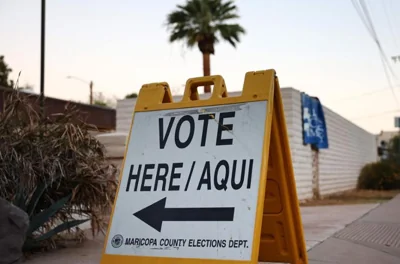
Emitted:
<point x="320" y="223"/>
<point x="374" y="238"/>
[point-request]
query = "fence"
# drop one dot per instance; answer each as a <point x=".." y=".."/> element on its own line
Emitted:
<point x="101" y="117"/>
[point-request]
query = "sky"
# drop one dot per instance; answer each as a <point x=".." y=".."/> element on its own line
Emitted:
<point x="320" y="47"/>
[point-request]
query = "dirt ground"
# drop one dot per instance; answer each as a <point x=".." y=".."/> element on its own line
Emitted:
<point x="353" y="197"/>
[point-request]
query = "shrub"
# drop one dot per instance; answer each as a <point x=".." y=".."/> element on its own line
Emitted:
<point x="393" y="149"/>
<point x="379" y="176"/>
<point x="54" y="169"/>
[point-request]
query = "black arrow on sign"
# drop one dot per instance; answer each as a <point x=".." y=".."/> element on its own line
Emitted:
<point x="155" y="214"/>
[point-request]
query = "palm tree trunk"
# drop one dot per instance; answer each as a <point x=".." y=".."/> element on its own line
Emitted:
<point x="206" y="70"/>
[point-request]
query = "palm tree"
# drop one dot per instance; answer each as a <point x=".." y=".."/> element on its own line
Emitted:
<point x="205" y="22"/>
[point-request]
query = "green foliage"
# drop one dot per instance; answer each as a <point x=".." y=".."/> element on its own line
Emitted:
<point x="40" y="219"/>
<point x="100" y="99"/>
<point x="26" y="87"/>
<point x="205" y="22"/>
<point x="4" y="80"/>
<point x="53" y="169"/>
<point x="381" y="175"/>
<point x="394" y="150"/>
<point x="131" y="95"/>
<point x="4" y="72"/>
<point x="385" y="174"/>
<point x="100" y="103"/>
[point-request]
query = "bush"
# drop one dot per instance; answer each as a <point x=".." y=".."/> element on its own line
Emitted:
<point x="380" y="175"/>
<point x="393" y="150"/>
<point x="53" y="169"/>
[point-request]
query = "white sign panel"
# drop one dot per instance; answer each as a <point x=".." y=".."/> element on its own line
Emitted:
<point x="190" y="183"/>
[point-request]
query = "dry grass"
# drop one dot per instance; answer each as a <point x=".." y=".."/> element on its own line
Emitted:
<point x="353" y="197"/>
<point x="58" y="151"/>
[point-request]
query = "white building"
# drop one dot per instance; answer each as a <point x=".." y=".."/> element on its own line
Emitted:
<point x="350" y="147"/>
<point x="385" y="136"/>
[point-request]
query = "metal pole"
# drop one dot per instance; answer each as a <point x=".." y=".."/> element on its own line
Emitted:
<point x="90" y="86"/>
<point x="397" y="141"/>
<point x="91" y="92"/>
<point x="42" y="57"/>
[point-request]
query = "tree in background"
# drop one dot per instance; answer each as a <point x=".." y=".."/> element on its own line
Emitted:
<point x="384" y="174"/>
<point x="27" y="87"/>
<point x="131" y="95"/>
<point x="205" y="22"/>
<point x="101" y="100"/>
<point x="4" y="72"/>
<point x="393" y="149"/>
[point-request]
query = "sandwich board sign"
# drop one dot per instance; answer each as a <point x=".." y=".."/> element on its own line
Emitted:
<point x="207" y="181"/>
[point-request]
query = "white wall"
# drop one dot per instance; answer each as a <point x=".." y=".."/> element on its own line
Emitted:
<point x="350" y="147"/>
<point x="301" y="155"/>
<point x="125" y="109"/>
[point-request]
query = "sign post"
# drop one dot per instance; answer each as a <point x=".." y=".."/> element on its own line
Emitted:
<point x="207" y="181"/>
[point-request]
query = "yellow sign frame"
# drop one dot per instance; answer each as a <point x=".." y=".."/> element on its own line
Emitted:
<point x="278" y="233"/>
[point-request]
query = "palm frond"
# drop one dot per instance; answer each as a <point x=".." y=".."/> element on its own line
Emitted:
<point x="230" y="32"/>
<point x="204" y="21"/>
